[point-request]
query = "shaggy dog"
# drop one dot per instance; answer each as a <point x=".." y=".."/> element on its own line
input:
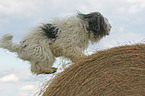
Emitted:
<point x="66" y="37"/>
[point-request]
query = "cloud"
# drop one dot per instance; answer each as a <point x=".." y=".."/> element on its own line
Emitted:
<point x="136" y="8"/>
<point x="137" y="5"/>
<point x="15" y="6"/>
<point x="19" y="83"/>
<point x="33" y="7"/>
<point x="9" y="78"/>
<point x="135" y="1"/>
<point x="28" y="87"/>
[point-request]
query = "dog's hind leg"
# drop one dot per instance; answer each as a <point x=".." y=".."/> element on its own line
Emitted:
<point x="38" y="68"/>
<point x="42" y="60"/>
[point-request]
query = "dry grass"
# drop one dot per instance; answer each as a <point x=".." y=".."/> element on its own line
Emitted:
<point x="118" y="71"/>
<point x="63" y="64"/>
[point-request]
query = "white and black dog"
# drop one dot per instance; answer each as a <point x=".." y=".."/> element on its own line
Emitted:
<point x="66" y="37"/>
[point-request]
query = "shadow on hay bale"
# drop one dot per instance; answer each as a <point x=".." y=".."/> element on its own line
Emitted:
<point x="118" y="71"/>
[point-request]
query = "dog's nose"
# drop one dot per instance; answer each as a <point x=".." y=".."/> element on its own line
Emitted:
<point x="107" y="33"/>
<point x="108" y="29"/>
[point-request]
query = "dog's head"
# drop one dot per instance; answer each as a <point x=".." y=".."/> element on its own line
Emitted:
<point x="96" y="24"/>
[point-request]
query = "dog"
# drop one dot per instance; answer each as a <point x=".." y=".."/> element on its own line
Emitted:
<point x="66" y="37"/>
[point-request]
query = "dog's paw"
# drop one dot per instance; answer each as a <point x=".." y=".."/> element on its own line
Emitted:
<point x="53" y="70"/>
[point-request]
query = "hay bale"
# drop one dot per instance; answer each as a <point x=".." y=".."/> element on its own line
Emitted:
<point x="118" y="71"/>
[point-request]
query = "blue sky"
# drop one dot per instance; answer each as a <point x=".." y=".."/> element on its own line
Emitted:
<point x="18" y="17"/>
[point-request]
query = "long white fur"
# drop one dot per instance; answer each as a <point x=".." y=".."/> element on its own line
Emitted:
<point x="37" y="48"/>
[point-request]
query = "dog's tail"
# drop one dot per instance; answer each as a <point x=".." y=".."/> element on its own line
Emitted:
<point x="6" y="43"/>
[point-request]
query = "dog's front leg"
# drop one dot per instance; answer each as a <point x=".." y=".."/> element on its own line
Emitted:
<point x="74" y="54"/>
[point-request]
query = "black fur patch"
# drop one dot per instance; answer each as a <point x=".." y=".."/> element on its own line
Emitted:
<point x="96" y="23"/>
<point x="50" y="31"/>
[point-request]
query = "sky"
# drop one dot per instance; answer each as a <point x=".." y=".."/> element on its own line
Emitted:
<point x="18" y="17"/>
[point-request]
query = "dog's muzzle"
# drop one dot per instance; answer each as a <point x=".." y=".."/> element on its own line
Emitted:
<point x="108" y="29"/>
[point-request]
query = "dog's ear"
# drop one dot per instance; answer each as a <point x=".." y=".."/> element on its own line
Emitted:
<point x="95" y="23"/>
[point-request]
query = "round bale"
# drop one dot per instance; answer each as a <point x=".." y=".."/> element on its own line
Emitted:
<point x="118" y="71"/>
